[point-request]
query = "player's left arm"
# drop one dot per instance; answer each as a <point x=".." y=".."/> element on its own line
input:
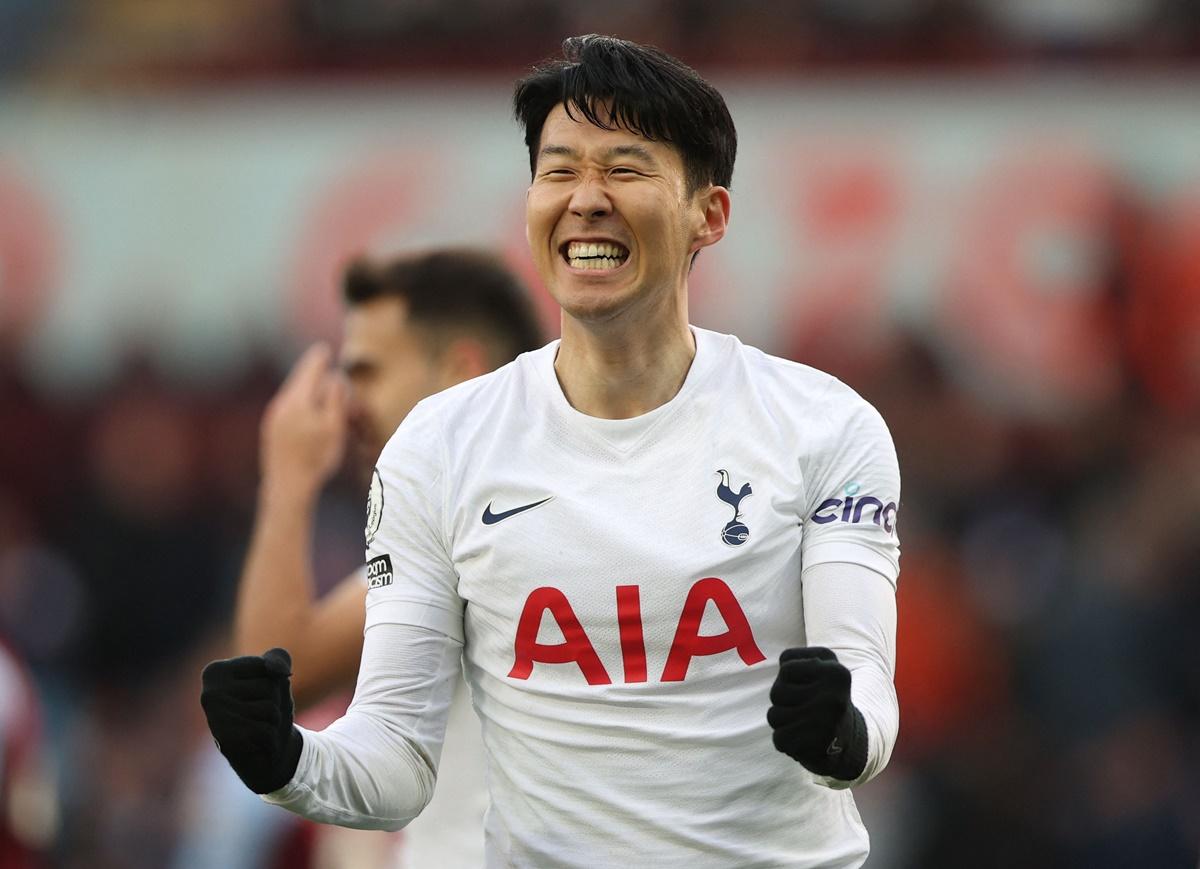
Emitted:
<point x="833" y="704"/>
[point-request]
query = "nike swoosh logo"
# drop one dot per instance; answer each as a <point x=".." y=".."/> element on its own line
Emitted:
<point x="490" y="518"/>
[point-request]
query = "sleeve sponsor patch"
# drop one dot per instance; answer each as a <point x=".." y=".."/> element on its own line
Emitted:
<point x="379" y="571"/>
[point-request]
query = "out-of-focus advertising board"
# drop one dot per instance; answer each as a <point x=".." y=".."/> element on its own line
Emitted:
<point x="998" y="218"/>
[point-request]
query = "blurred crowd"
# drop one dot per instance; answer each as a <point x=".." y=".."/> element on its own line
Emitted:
<point x="124" y="515"/>
<point x="1048" y="661"/>
<point x="66" y="39"/>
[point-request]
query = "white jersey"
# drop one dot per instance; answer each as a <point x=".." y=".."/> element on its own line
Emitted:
<point x="623" y="589"/>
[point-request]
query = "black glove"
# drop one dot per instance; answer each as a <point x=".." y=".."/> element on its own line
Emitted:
<point x="812" y="716"/>
<point x="248" y="704"/>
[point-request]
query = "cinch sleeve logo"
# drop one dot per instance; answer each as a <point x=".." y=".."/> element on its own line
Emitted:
<point x="852" y="508"/>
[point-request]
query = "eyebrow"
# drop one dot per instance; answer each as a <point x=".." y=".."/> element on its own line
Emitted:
<point x="615" y="151"/>
<point x="632" y="151"/>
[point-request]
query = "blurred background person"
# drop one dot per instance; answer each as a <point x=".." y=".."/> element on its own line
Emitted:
<point x="414" y="325"/>
<point x="983" y="216"/>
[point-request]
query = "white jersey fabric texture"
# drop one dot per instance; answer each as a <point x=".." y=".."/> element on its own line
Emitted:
<point x="621" y="591"/>
<point x="448" y="834"/>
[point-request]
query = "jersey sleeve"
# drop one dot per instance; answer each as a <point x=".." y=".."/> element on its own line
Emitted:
<point x="410" y="577"/>
<point x="852" y="489"/>
<point x="375" y="767"/>
<point x="852" y="611"/>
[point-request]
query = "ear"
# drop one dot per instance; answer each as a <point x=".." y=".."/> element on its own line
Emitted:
<point x="528" y="240"/>
<point x="714" y="204"/>
<point x="461" y="359"/>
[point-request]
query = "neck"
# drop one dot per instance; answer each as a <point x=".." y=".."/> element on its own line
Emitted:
<point x="619" y="370"/>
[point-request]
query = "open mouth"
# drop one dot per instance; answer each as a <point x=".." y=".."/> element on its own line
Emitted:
<point x="594" y="255"/>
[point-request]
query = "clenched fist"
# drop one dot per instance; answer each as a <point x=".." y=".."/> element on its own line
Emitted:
<point x="812" y="716"/>
<point x="248" y="704"/>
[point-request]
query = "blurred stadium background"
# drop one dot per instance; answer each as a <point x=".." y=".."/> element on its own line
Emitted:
<point x="982" y="214"/>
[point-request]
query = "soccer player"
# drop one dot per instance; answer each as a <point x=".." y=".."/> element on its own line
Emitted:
<point x="413" y="325"/>
<point x="667" y="559"/>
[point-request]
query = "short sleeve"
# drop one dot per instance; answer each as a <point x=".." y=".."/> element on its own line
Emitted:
<point x="410" y="577"/>
<point x="852" y="486"/>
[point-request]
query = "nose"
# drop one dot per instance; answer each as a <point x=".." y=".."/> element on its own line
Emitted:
<point x="590" y="200"/>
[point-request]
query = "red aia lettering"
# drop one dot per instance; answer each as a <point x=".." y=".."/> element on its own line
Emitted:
<point x="577" y="648"/>
<point x="633" y="643"/>
<point x="688" y="642"/>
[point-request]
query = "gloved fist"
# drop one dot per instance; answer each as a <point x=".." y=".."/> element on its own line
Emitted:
<point x="812" y="716"/>
<point x="248" y="704"/>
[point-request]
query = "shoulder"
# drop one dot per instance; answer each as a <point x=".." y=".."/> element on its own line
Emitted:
<point x="808" y="394"/>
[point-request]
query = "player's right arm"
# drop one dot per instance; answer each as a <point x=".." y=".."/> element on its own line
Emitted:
<point x="372" y="769"/>
<point x="302" y="442"/>
<point x="375" y="767"/>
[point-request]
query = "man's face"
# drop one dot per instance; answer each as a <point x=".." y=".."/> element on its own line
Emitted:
<point x="389" y="367"/>
<point x="609" y="219"/>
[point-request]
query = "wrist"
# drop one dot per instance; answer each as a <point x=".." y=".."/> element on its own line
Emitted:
<point x="849" y="746"/>
<point x="291" y="757"/>
<point x="288" y="491"/>
<point x="288" y="763"/>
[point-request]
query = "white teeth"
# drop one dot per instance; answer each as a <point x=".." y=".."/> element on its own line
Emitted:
<point x="594" y="263"/>
<point x="591" y="250"/>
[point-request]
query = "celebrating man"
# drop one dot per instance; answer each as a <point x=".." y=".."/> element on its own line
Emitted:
<point x="657" y="550"/>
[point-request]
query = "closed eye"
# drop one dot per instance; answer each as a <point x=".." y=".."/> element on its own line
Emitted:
<point x="359" y="371"/>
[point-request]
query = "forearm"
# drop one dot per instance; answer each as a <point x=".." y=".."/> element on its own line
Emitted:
<point x="277" y="589"/>
<point x="277" y="603"/>
<point x="375" y="767"/>
<point x="303" y="436"/>
<point x="851" y="610"/>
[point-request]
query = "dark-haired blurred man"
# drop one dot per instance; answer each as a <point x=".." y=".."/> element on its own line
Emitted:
<point x="659" y="551"/>
<point x="413" y="326"/>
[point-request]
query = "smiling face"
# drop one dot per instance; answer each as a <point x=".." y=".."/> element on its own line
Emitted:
<point x="611" y="223"/>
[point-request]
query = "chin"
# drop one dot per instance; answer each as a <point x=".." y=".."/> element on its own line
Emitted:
<point x="598" y="312"/>
<point x="365" y="459"/>
<point x="594" y="304"/>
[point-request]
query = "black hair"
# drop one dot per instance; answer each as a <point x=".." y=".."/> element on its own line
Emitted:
<point x="617" y="84"/>
<point x="452" y="289"/>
